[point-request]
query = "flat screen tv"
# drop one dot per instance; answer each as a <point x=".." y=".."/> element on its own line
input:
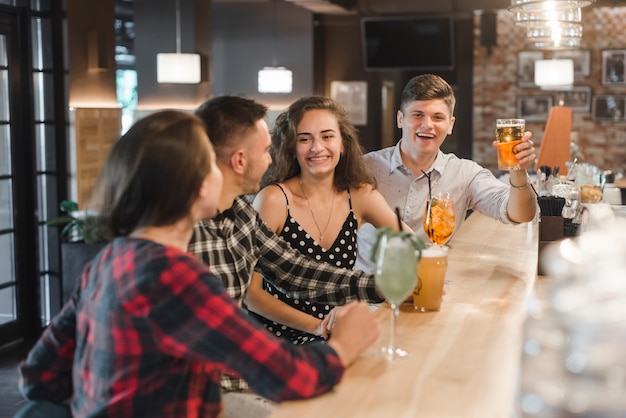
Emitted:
<point x="424" y="43"/>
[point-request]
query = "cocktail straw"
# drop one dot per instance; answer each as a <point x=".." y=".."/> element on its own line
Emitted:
<point x="399" y="218"/>
<point x="428" y="205"/>
<point x="430" y="191"/>
<point x="570" y="170"/>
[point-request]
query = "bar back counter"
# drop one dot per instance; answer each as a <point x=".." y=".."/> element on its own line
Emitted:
<point x="465" y="359"/>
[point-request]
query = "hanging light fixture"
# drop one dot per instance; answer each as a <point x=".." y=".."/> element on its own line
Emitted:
<point x="552" y="28"/>
<point x="557" y="36"/>
<point x="539" y="5"/>
<point x="275" y="79"/>
<point x="551" y="24"/>
<point x="543" y="16"/>
<point x="178" y="68"/>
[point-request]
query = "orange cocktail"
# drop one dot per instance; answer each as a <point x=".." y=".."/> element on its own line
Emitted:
<point x="439" y="219"/>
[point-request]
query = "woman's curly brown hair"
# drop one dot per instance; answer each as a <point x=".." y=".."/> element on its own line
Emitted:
<point x="351" y="171"/>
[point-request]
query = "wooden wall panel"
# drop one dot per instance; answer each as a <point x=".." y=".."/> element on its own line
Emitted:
<point x="96" y="130"/>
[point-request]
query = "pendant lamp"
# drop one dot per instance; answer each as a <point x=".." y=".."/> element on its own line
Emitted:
<point x="178" y="68"/>
<point x="274" y="78"/>
<point x="538" y="5"/>
<point x="551" y="24"/>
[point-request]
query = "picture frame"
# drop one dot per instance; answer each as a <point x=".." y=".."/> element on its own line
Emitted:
<point x="608" y="107"/>
<point x="581" y="58"/>
<point x="352" y="95"/>
<point x="613" y="68"/>
<point x="578" y="98"/>
<point x="534" y="108"/>
<point x="526" y="67"/>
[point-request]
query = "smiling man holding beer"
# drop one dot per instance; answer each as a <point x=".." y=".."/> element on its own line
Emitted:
<point x="403" y="172"/>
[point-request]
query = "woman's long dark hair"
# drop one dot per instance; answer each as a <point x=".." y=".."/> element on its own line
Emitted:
<point x="154" y="172"/>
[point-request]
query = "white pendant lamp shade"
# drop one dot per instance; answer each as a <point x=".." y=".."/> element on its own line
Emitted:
<point x="554" y="74"/>
<point x="275" y="80"/>
<point x="178" y="68"/>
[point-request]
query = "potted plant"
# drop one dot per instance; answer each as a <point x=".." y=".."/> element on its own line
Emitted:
<point x="79" y="226"/>
<point x="83" y="236"/>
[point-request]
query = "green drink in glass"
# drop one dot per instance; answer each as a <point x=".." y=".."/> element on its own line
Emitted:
<point x="396" y="277"/>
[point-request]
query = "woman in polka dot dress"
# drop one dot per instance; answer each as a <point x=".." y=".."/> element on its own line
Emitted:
<point x="317" y="193"/>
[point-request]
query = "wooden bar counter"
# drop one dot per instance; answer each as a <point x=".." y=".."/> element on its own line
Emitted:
<point x="466" y="357"/>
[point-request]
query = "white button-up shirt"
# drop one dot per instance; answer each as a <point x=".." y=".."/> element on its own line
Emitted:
<point x="469" y="185"/>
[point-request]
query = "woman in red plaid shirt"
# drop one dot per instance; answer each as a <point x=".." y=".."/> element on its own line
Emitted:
<point x="150" y="329"/>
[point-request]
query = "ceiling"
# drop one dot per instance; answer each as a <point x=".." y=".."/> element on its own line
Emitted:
<point x="396" y="7"/>
<point x="381" y="7"/>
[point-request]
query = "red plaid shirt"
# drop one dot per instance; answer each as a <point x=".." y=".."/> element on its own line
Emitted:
<point x="148" y="334"/>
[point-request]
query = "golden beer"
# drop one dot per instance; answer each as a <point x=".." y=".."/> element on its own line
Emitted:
<point x="509" y="133"/>
<point x="431" y="273"/>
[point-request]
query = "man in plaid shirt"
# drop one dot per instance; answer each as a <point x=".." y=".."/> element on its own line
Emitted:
<point x="236" y="241"/>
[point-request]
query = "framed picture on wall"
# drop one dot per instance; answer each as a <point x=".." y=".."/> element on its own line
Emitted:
<point x="613" y="72"/>
<point x="534" y="108"/>
<point x="578" y="98"/>
<point x="581" y="58"/>
<point x="352" y="95"/>
<point x="608" y="107"/>
<point x="526" y="67"/>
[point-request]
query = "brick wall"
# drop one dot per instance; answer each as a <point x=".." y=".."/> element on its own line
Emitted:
<point x="602" y="143"/>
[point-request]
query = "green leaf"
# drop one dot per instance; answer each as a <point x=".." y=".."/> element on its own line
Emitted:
<point x="66" y="230"/>
<point x="61" y="220"/>
<point x="87" y="227"/>
<point x="68" y="206"/>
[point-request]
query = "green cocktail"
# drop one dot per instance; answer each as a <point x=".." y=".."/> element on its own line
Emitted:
<point x="396" y="277"/>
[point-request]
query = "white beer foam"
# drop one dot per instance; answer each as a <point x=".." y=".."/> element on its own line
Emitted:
<point x="432" y="252"/>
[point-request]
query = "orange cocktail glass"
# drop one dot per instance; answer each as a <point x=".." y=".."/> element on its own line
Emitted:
<point x="439" y="219"/>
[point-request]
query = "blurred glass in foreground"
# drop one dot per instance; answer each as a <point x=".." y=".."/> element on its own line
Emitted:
<point x="574" y="346"/>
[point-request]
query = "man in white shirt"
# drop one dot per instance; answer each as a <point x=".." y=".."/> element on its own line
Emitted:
<point x="426" y="119"/>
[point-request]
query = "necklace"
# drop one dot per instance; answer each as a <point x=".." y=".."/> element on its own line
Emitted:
<point x="332" y="204"/>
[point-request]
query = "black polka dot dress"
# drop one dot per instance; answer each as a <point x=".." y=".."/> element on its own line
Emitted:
<point x="341" y="254"/>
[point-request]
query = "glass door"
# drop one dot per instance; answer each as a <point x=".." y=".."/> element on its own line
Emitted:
<point x="33" y="127"/>
<point x="8" y="312"/>
<point x="17" y="217"/>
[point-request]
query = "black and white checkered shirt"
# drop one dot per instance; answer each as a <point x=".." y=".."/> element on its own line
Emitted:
<point x="236" y="242"/>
